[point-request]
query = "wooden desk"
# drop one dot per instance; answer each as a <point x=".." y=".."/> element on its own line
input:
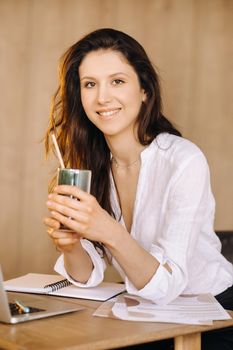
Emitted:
<point x="82" y="331"/>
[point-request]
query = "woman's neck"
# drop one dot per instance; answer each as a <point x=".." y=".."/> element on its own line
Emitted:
<point x="125" y="151"/>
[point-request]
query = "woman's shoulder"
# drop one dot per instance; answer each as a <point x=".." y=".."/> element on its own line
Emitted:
<point x="176" y="149"/>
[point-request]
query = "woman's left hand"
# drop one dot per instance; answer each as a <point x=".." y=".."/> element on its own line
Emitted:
<point x="82" y="213"/>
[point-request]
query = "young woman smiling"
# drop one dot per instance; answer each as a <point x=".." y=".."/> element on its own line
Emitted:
<point x="151" y="209"/>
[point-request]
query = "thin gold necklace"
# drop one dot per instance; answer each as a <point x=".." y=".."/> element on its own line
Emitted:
<point x="117" y="165"/>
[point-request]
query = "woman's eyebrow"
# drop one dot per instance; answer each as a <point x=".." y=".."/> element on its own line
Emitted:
<point x="110" y="76"/>
<point x="118" y="73"/>
<point x="91" y="78"/>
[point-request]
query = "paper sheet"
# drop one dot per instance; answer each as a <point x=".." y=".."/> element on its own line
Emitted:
<point x="201" y="309"/>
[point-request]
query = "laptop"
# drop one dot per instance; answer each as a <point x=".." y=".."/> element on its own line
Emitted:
<point x="36" y="306"/>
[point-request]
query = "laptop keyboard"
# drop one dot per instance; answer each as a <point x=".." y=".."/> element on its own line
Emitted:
<point x="15" y="310"/>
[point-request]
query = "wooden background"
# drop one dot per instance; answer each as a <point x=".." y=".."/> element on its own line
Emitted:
<point x="190" y="41"/>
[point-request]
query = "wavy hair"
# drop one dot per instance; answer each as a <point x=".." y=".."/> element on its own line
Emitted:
<point x="81" y="143"/>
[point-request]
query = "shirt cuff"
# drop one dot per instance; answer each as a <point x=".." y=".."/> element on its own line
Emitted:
<point x="99" y="266"/>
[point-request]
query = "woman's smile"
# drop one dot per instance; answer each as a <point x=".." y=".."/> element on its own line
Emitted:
<point x="108" y="113"/>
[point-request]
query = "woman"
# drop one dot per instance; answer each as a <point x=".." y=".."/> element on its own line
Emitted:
<point x="151" y="209"/>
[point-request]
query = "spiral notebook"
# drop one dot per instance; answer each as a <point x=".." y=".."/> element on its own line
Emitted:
<point x="38" y="306"/>
<point x="56" y="285"/>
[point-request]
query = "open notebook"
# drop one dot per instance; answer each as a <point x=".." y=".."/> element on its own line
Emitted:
<point x="32" y="307"/>
<point x="57" y="285"/>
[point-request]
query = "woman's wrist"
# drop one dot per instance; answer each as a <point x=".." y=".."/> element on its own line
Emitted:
<point x="78" y="263"/>
<point x="117" y="236"/>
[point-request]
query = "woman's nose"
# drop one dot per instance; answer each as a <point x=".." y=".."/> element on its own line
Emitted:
<point x="104" y="94"/>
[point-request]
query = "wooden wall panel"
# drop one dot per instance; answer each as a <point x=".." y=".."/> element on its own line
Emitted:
<point x="211" y="114"/>
<point x="190" y="41"/>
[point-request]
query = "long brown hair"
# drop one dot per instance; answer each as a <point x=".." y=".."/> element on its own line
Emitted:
<point x="81" y="143"/>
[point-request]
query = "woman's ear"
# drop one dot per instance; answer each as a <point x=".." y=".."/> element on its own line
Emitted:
<point x="144" y="96"/>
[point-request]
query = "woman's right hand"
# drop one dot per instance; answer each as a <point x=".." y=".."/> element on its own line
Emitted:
<point x="69" y="243"/>
<point x="65" y="241"/>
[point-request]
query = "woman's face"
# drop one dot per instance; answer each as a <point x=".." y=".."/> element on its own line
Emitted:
<point x="110" y="92"/>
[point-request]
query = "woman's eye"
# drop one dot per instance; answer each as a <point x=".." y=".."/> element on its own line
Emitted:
<point x="117" y="81"/>
<point x="89" y="84"/>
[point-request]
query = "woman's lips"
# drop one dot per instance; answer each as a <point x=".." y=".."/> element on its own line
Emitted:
<point x="108" y="113"/>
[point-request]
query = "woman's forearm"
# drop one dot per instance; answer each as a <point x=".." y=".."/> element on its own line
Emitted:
<point x="137" y="263"/>
<point x="78" y="263"/>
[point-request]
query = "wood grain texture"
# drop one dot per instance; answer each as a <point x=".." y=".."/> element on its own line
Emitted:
<point x="188" y="342"/>
<point x="189" y="41"/>
<point x="81" y="331"/>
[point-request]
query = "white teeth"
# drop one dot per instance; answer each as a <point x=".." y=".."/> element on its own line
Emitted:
<point x="108" y="113"/>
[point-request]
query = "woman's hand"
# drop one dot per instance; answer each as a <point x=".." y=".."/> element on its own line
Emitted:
<point x="82" y="214"/>
<point x="69" y="244"/>
<point x="92" y="222"/>
<point x="64" y="241"/>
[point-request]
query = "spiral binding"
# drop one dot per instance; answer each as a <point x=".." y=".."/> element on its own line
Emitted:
<point x="57" y="285"/>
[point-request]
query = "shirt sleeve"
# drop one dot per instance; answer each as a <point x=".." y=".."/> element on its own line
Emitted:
<point x="189" y="201"/>
<point x="99" y="264"/>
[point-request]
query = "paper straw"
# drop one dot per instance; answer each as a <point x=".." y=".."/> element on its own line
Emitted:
<point x="57" y="151"/>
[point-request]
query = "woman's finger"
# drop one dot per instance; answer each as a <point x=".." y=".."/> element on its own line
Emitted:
<point x="51" y="223"/>
<point x="64" y="235"/>
<point x="76" y="226"/>
<point x="68" y="202"/>
<point x="68" y="212"/>
<point x="72" y="191"/>
<point x="65" y="241"/>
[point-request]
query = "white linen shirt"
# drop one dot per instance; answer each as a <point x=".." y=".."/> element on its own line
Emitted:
<point x="173" y="220"/>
